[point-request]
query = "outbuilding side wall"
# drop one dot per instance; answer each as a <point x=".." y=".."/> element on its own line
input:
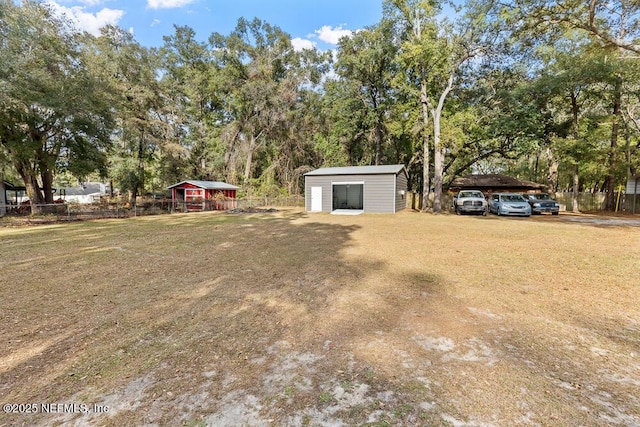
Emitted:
<point x="401" y="191"/>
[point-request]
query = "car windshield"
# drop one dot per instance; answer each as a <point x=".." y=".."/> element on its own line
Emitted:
<point x="470" y="194"/>
<point x="512" y="198"/>
<point x="542" y="196"/>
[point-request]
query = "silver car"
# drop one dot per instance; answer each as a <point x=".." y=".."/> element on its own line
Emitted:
<point x="470" y="201"/>
<point x="509" y="204"/>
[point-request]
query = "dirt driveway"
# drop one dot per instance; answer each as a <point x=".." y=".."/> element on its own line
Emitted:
<point x="300" y="319"/>
<point x="603" y="220"/>
<point x="607" y="221"/>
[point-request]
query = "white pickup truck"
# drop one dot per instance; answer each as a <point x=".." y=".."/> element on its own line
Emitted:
<point x="470" y="201"/>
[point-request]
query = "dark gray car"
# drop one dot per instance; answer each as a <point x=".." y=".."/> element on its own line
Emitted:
<point x="542" y="202"/>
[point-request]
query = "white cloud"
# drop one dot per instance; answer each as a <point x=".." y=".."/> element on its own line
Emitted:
<point x="91" y="2"/>
<point x="87" y="21"/>
<point x="302" y="44"/>
<point x="167" y="4"/>
<point x="332" y="35"/>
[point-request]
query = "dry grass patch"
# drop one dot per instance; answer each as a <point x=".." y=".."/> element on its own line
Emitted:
<point x="297" y="319"/>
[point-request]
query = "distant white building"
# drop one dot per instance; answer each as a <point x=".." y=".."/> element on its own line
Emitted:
<point x="88" y="192"/>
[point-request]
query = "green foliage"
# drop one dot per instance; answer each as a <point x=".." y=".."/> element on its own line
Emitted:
<point x="523" y="86"/>
<point x="55" y="112"/>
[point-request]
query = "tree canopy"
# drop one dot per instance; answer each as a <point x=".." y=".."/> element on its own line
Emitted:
<point x="546" y="91"/>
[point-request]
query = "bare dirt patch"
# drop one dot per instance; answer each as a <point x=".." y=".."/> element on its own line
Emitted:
<point x="251" y="210"/>
<point x="298" y="319"/>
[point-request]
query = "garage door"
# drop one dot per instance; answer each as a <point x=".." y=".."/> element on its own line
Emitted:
<point x="348" y="196"/>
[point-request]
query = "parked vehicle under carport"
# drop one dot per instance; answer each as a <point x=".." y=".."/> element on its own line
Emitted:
<point x="509" y="204"/>
<point x="470" y="201"/>
<point x="542" y="202"/>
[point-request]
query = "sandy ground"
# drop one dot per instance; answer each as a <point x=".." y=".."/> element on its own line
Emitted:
<point x="297" y="319"/>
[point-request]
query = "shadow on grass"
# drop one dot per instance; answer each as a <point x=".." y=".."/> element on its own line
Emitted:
<point x="186" y="306"/>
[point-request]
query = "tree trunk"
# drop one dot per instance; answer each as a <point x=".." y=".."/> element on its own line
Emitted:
<point x="229" y="157"/>
<point x="575" y="205"/>
<point x="230" y="166"/>
<point x="28" y="175"/>
<point x="379" y="138"/>
<point x="610" y="200"/>
<point x="576" y="189"/>
<point x="378" y="131"/>
<point x="438" y="160"/>
<point x="247" y="166"/>
<point x="438" y="150"/>
<point x="426" y="187"/>
<point x="139" y="180"/>
<point x="628" y="152"/>
<point x="47" y="184"/>
<point x="35" y="195"/>
<point x="552" y="175"/>
<point x="133" y="196"/>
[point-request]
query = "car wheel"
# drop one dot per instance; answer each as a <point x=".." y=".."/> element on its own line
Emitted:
<point x="555" y="213"/>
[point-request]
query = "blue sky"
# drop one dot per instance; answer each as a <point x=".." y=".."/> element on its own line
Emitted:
<point x="317" y="23"/>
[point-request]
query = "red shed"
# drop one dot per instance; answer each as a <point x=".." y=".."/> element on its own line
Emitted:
<point x="203" y="196"/>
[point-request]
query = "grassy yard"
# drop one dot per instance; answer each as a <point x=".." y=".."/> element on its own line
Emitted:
<point x="311" y="319"/>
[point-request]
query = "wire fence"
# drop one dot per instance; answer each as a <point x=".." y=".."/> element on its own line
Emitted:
<point x="594" y="202"/>
<point x="144" y="206"/>
<point x="588" y="202"/>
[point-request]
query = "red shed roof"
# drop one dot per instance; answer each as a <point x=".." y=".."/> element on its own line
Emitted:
<point x="208" y="185"/>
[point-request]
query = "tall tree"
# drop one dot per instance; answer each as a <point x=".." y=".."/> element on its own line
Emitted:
<point x="52" y="106"/>
<point x="612" y="25"/>
<point x="141" y="130"/>
<point x="366" y="61"/>
<point x="436" y="51"/>
<point x="259" y="68"/>
<point x="193" y="104"/>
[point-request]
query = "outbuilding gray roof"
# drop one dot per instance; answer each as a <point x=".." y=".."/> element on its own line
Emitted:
<point x="208" y="185"/>
<point x="357" y="170"/>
